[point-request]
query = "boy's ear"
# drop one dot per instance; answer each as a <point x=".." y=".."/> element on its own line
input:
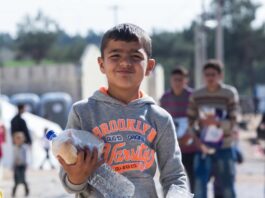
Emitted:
<point x="101" y="65"/>
<point x="150" y="66"/>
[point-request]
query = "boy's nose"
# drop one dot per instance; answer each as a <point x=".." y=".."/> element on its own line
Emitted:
<point x="126" y="62"/>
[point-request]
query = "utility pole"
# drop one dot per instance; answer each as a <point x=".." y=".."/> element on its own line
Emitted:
<point x="200" y="48"/>
<point x="115" y="10"/>
<point x="219" y="37"/>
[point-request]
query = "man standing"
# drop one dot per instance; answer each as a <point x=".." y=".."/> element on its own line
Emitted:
<point x="18" y="124"/>
<point x="213" y="109"/>
<point x="176" y="101"/>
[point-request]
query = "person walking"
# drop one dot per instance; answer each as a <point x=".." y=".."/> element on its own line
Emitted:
<point x="46" y="147"/>
<point x="18" y="124"/>
<point x="176" y="101"/>
<point x="19" y="162"/>
<point x="213" y="109"/>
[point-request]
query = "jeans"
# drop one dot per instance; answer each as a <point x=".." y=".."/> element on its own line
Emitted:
<point x="222" y="166"/>
<point x="19" y="178"/>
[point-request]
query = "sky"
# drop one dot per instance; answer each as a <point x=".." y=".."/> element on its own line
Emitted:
<point x="78" y="16"/>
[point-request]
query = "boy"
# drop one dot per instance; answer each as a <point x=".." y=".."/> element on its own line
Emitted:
<point x="131" y="125"/>
<point x="20" y="164"/>
<point x="176" y="101"/>
<point x="214" y="108"/>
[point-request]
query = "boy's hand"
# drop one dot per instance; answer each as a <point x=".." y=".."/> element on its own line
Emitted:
<point x="206" y="150"/>
<point x="85" y="165"/>
<point x="209" y="120"/>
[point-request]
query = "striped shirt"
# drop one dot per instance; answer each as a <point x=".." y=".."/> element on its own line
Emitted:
<point x="225" y="99"/>
<point x="177" y="106"/>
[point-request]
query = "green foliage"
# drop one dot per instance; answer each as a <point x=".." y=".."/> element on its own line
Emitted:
<point x="66" y="48"/>
<point x="243" y="45"/>
<point x="173" y="49"/>
<point x="6" y="41"/>
<point x="238" y="11"/>
<point x="36" y="36"/>
<point x="70" y="48"/>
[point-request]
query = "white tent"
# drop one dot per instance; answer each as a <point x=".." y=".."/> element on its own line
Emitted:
<point x="36" y="127"/>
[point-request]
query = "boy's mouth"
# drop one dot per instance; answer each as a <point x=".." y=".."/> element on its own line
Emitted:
<point x="125" y="71"/>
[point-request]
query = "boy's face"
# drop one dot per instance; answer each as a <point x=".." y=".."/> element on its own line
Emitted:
<point x="18" y="139"/>
<point x="125" y="64"/>
<point x="178" y="82"/>
<point x="212" y="77"/>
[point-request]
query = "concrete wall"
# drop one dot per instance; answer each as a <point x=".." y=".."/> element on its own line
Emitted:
<point x="41" y="79"/>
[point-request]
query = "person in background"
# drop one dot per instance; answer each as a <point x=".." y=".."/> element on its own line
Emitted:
<point x="19" y="162"/>
<point x="46" y="147"/>
<point x="2" y="141"/>
<point x="214" y="108"/>
<point x="2" y="138"/>
<point x="19" y="124"/>
<point x="176" y="101"/>
<point x="261" y="128"/>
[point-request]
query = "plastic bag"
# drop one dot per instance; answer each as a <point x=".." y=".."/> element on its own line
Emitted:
<point x="108" y="182"/>
<point x="178" y="192"/>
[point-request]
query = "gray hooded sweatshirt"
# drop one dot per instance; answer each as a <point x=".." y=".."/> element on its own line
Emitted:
<point x="133" y="133"/>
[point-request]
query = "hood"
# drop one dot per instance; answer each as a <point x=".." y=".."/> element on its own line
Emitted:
<point x="103" y="97"/>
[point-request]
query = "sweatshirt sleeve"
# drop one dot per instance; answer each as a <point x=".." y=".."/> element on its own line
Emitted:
<point x="169" y="159"/>
<point x="228" y="125"/>
<point x="73" y="122"/>
<point x="233" y="105"/>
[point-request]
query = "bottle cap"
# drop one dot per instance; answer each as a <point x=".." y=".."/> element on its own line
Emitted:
<point x="50" y="135"/>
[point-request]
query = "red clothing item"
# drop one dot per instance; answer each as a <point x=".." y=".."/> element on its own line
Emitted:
<point x="2" y="138"/>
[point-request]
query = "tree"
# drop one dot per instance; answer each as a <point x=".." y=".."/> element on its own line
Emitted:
<point x="243" y="45"/>
<point x="172" y="49"/>
<point x="35" y="36"/>
<point x="6" y="41"/>
<point x="67" y="48"/>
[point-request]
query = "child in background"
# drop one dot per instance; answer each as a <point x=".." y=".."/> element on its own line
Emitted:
<point x="2" y="141"/>
<point x="46" y="147"/>
<point x="176" y="101"/>
<point x="19" y="162"/>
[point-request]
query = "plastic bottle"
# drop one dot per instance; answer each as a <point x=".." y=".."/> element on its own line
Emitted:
<point x="62" y="145"/>
<point x="108" y="182"/>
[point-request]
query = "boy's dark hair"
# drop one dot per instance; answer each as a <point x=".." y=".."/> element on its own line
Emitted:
<point x="214" y="64"/>
<point x="180" y="71"/>
<point x="127" y="32"/>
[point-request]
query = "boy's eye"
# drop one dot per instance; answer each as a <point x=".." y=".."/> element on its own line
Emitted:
<point x="114" y="56"/>
<point x="137" y="57"/>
